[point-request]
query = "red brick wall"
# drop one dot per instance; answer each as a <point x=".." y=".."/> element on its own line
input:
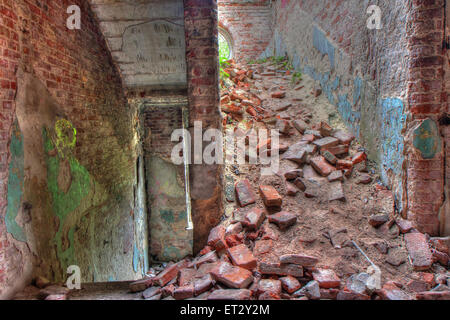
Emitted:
<point x="203" y="97"/>
<point x="162" y="121"/>
<point x="77" y="70"/>
<point x="427" y="98"/>
<point x="250" y="25"/>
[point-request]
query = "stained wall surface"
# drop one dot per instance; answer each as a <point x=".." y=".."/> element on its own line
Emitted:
<point x="68" y="157"/>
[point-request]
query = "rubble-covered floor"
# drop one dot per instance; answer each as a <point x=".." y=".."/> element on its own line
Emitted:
<point x="291" y="235"/>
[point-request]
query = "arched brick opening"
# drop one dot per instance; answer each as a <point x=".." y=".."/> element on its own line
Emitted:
<point x="226" y="36"/>
<point x="249" y="24"/>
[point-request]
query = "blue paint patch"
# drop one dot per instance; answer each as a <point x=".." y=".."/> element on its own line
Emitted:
<point x="111" y="279"/>
<point x="392" y="123"/>
<point x="351" y="118"/>
<point x="136" y="255"/>
<point x="15" y="184"/>
<point x="427" y="139"/>
<point x="324" y="46"/>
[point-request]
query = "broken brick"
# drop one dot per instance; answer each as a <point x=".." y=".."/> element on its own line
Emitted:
<point x="377" y="220"/>
<point x="291" y="190"/>
<point x="300" y="259"/>
<point x="325" y="129"/>
<point x="276" y="268"/>
<point x="331" y="158"/>
<point x="290" y="284"/>
<point x="338" y="150"/>
<point x="279" y="94"/>
<point x="269" y="285"/>
<point x="186" y="276"/>
<point x="404" y="226"/>
<point x="359" y="157"/>
<point x="216" y="238"/>
<point x="308" y="138"/>
<point x="296" y="152"/>
<point x="364" y="179"/>
<point x="141" y="285"/>
<point x="185" y="292"/>
<point x="232" y="276"/>
<point x="262" y="247"/>
<point x="254" y="218"/>
<point x="270" y="196"/>
<point x="242" y="257"/>
<point x="293" y="174"/>
<point x="233" y="240"/>
<point x="150" y="292"/>
<point x="283" y="126"/>
<point x="326" y="278"/>
<point x="326" y="142"/>
<point x="170" y="273"/>
<point x="300" y="184"/>
<point x="283" y="219"/>
<point x="336" y="191"/>
<point x="300" y="125"/>
<point x="322" y="166"/>
<point x="245" y="193"/>
<point x="336" y="176"/>
<point x="202" y="285"/>
<point x="344" y="164"/>
<point x="343" y="137"/>
<point x="234" y="228"/>
<point x="419" y="251"/>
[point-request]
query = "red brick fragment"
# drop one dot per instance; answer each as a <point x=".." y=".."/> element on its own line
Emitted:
<point x="283" y="219"/>
<point x="322" y="166"/>
<point x="254" y="218"/>
<point x="359" y="157"/>
<point x="290" y="284"/>
<point x="279" y="94"/>
<point x="232" y="276"/>
<point x="245" y="193"/>
<point x="241" y="256"/>
<point x="300" y="259"/>
<point x="326" y="278"/>
<point x="419" y="251"/>
<point x="270" y="196"/>
<point x="216" y="238"/>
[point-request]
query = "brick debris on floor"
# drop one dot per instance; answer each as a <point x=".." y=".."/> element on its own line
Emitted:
<point x="292" y="235"/>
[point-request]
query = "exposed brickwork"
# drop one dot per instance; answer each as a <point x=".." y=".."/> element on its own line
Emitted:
<point x="249" y="24"/>
<point x="203" y="95"/>
<point x="76" y="69"/>
<point x="427" y="98"/>
<point x="162" y="122"/>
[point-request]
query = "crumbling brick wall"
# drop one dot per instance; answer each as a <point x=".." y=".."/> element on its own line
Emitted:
<point x="64" y="74"/>
<point x="385" y="83"/>
<point x="427" y="101"/>
<point x="249" y="23"/>
<point x="203" y="98"/>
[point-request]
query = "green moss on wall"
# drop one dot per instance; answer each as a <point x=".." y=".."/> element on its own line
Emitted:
<point x="64" y="203"/>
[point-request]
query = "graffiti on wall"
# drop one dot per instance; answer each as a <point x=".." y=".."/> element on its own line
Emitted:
<point x="15" y="185"/>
